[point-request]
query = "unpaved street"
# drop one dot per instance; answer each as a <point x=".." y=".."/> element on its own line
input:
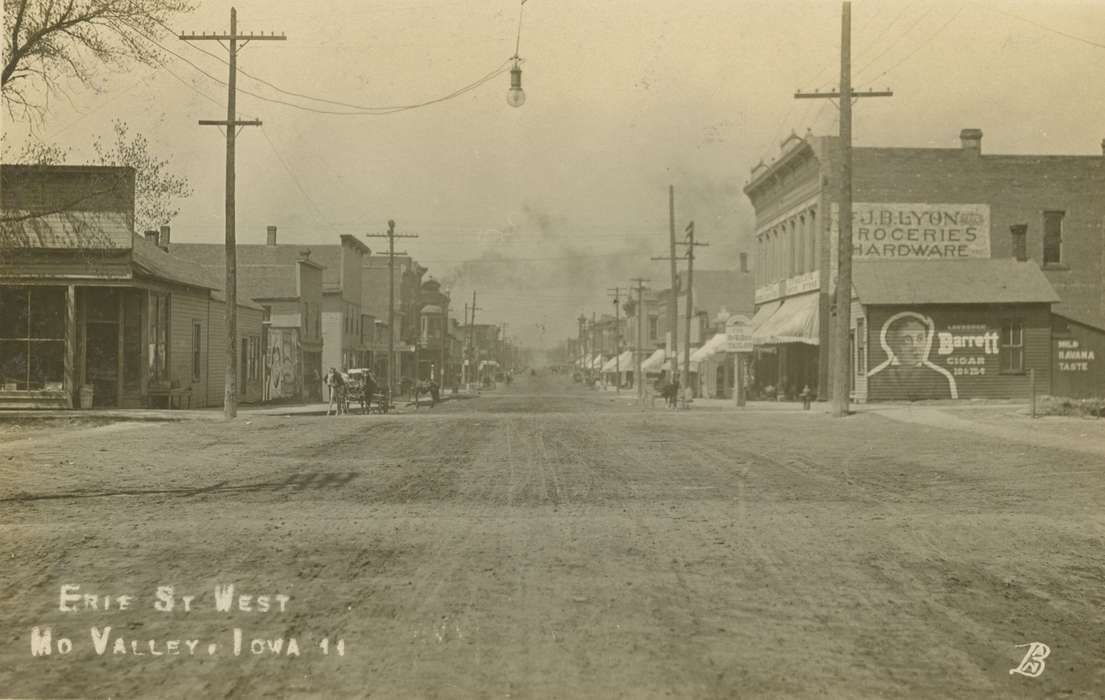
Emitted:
<point x="547" y="541"/>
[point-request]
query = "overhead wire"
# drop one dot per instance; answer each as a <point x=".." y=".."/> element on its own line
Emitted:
<point x="356" y="109"/>
<point x="294" y="179"/>
<point x="1046" y="28"/>
<point x="930" y="39"/>
<point x="885" y="31"/>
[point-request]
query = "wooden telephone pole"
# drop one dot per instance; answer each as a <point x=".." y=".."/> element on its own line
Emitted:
<point x="616" y="295"/>
<point x="841" y="367"/>
<point x="391" y="235"/>
<point x="231" y="123"/>
<point x="473" y="370"/>
<point x="638" y="379"/>
<point x="690" y="243"/>
<point x="673" y="307"/>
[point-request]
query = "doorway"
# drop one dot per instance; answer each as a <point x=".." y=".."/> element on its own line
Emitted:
<point x="103" y="362"/>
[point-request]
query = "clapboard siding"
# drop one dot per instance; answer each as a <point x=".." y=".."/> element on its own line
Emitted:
<point x="1078" y="359"/>
<point x="184" y="310"/>
<point x="249" y="324"/>
<point x="974" y="372"/>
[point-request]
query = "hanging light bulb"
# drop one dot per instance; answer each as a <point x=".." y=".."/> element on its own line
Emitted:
<point x="515" y="97"/>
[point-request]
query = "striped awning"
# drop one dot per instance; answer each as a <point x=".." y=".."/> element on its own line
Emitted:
<point x="655" y="361"/>
<point x="796" y="321"/>
<point x="712" y="347"/>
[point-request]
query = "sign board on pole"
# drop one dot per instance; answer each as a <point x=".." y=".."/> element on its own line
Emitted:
<point x="738" y="337"/>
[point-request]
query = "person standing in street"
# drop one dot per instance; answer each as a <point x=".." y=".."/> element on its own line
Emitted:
<point x="337" y="389"/>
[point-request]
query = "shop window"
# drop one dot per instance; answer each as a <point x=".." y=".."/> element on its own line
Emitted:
<point x="158" y="337"/>
<point x="1011" y="347"/>
<point x="653" y="327"/>
<point x="1053" y="237"/>
<point x="32" y="338"/>
<point x="197" y="351"/>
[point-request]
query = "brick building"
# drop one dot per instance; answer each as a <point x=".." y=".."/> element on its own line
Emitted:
<point x="407" y="298"/>
<point x="916" y="204"/>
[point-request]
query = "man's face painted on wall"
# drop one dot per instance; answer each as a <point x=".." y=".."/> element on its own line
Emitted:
<point x="909" y="342"/>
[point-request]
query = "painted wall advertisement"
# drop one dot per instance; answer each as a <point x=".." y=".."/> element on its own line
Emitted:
<point x="1077" y="369"/>
<point x="282" y="360"/>
<point x="915" y="359"/>
<point x="916" y="231"/>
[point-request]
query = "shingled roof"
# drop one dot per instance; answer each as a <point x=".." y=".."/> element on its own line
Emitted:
<point x="966" y="281"/>
<point x="151" y="260"/>
<point x="264" y="271"/>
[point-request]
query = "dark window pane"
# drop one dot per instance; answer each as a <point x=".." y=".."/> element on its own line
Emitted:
<point x="1053" y="236"/>
<point x="47" y="363"/>
<point x="102" y="305"/>
<point x="13" y="364"/>
<point x="132" y="339"/>
<point x="48" y="312"/>
<point x="13" y="312"/>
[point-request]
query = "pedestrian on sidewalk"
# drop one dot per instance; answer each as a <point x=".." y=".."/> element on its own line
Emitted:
<point x="337" y="392"/>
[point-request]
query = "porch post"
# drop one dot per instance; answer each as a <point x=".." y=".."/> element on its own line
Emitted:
<point x="120" y="340"/>
<point x="71" y="384"/>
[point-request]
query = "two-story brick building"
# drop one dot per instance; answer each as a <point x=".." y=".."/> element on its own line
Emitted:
<point x="922" y="205"/>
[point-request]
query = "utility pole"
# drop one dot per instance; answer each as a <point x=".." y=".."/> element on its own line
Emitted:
<point x="444" y="342"/>
<point x="464" y="352"/>
<point x="673" y="307"/>
<point x="690" y="243"/>
<point x="840" y="355"/>
<point x="391" y="235"/>
<point x="617" y="338"/>
<point x="582" y="321"/>
<point x="637" y="378"/>
<point x="594" y="329"/>
<point x="473" y="369"/>
<point x="230" y="391"/>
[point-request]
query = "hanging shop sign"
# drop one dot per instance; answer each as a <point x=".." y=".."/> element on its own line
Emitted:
<point x="738" y="337"/>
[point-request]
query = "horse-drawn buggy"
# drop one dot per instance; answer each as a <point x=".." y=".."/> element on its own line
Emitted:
<point x="361" y="387"/>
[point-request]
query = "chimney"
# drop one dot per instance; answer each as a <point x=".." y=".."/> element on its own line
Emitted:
<point x="744" y="262"/>
<point x="1103" y="147"/>
<point x="163" y="240"/>
<point x="272" y="235"/>
<point x="151" y="236"/>
<point x="1020" y="247"/>
<point x="971" y="139"/>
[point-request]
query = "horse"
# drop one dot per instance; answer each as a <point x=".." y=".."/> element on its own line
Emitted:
<point x="368" y="389"/>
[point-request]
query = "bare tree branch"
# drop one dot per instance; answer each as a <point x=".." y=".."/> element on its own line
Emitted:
<point x="70" y="38"/>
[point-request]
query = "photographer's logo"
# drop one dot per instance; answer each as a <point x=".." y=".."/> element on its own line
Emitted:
<point x="1032" y="665"/>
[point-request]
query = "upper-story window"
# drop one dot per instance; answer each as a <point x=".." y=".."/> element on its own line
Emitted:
<point x="1053" y="237"/>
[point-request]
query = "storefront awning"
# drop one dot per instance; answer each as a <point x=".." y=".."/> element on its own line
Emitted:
<point x="654" y="361"/>
<point x="623" y="363"/>
<point x="597" y="362"/>
<point x="796" y="321"/>
<point x="764" y="313"/>
<point x="712" y="347"/>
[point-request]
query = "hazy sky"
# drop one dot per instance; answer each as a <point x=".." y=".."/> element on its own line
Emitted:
<point x="556" y="201"/>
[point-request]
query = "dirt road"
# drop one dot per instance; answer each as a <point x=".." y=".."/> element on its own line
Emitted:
<point x="547" y="541"/>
